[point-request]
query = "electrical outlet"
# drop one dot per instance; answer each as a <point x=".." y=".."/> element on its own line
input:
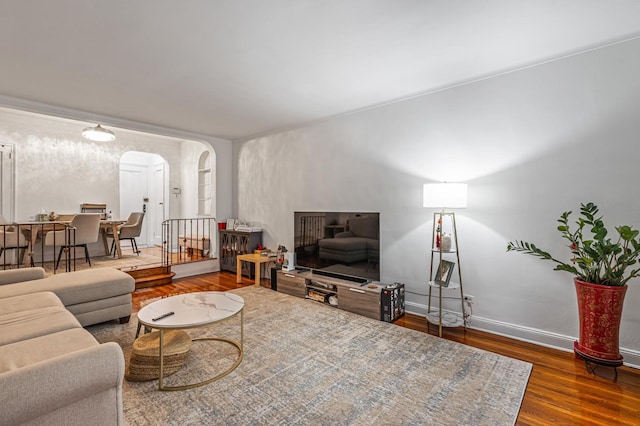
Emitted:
<point x="468" y="298"/>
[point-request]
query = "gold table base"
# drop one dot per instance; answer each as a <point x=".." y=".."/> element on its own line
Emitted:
<point x="239" y="346"/>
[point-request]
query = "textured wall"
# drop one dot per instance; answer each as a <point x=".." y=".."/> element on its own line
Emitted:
<point x="530" y="144"/>
<point x="57" y="170"/>
<point x="191" y="152"/>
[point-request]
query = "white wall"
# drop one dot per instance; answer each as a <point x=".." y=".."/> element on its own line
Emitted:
<point x="191" y="152"/>
<point x="44" y="129"/>
<point x="59" y="123"/>
<point x="57" y="169"/>
<point x="530" y="144"/>
<point x="222" y="159"/>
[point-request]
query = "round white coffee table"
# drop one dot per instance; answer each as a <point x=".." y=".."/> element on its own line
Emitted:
<point x="193" y="310"/>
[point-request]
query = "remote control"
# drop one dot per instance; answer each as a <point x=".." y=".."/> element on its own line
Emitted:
<point x="168" y="314"/>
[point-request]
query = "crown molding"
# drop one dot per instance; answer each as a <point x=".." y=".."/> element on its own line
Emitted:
<point x="92" y="118"/>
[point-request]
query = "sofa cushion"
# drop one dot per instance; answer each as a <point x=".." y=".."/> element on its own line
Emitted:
<point x="345" y="244"/>
<point x="83" y="387"/>
<point x="77" y="287"/>
<point x="31" y="323"/>
<point x="27" y="302"/>
<point x="99" y="305"/>
<point x="342" y="256"/>
<point x="345" y="234"/>
<point x="10" y="276"/>
<point x="26" y="352"/>
<point x="373" y="245"/>
<point x="102" y="310"/>
<point x="365" y="227"/>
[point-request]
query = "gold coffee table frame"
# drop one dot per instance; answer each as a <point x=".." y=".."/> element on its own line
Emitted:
<point x="237" y="345"/>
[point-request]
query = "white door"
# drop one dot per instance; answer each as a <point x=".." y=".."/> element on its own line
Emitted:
<point x="134" y="195"/>
<point x="6" y="182"/>
<point x="157" y="209"/>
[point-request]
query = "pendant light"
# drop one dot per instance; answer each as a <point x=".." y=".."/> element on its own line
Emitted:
<point x="98" y="134"/>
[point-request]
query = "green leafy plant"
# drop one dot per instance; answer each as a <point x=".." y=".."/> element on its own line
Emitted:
<point x="596" y="258"/>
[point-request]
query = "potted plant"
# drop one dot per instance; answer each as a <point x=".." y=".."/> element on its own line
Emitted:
<point x="601" y="268"/>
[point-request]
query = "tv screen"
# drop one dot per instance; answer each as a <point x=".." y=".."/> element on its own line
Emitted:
<point x="344" y="243"/>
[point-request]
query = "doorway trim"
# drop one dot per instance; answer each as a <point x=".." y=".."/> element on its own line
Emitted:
<point x="155" y="200"/>
<point x="7" y="181"/>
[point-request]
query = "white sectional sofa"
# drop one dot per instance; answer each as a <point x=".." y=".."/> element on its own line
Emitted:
<point x="52" y="370"/>
<point x="93" y="295"/>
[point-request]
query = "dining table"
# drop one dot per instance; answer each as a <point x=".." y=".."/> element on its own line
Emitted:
<point x="34" y="230"/>
<point x="37" y="229"/>
<point x="112" y="225"/>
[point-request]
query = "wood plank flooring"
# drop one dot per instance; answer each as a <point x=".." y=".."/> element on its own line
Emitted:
<point x="560" y="390"/>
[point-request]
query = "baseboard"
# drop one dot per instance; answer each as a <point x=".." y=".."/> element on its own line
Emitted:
<point x="527" y="334"/>
<point x="195" y="268"/>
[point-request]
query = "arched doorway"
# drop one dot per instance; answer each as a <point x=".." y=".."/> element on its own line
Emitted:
<point x="143" y="187"/>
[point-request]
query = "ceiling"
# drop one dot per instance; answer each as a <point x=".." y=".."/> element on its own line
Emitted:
<point x="240" y="68"/>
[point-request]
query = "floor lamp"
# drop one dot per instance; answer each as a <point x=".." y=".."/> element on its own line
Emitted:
<point x="444" y="196"/>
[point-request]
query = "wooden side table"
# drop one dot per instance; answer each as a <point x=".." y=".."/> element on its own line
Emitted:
<point x="257" y="260"/>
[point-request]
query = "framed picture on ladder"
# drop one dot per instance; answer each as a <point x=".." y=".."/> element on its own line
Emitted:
<point x="444" y="272"/>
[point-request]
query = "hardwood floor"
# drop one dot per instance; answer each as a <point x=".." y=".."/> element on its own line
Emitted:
<point x="560" y="390"/>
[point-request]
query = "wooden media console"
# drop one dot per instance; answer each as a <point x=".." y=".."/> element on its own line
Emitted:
<point x="360" y="297"/>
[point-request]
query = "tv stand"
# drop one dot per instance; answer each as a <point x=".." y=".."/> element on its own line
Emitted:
<point x="339" y="291"/>
<point x="359" y="280"/>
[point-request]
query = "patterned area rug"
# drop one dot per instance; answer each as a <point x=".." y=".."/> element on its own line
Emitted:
<point x="309" y="363"/>
<point x="128" y="261"/>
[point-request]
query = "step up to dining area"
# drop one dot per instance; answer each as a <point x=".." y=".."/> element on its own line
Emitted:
<point x="150" y="275"/>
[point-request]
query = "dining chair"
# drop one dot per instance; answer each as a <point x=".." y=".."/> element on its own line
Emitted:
<point x="12" y="239"/>
<point x="129" y="231"/>
<point x="87" y="230"/>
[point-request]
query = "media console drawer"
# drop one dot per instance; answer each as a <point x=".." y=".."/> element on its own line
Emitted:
<point x="360" y="300"/>
<point x="351" y="296"/>
<point x="292" y="284"/>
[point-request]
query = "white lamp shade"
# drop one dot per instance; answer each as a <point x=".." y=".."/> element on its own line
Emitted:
<point x="99" y="134"/>
<point x="445" y="195"/>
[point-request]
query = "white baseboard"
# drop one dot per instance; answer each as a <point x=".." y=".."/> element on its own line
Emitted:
<point x="195" y="268"/>
<point x="527" y="334"/>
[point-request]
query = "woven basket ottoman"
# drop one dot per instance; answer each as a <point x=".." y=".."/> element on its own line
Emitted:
<point x="144" y="363"/>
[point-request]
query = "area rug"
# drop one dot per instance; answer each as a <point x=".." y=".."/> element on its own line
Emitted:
<point x="127" y="261"/>
<point x="306" y="363"/>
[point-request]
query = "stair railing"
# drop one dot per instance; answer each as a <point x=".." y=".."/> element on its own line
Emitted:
<point x="21" y="243"/>
<point x="189" y="240"/>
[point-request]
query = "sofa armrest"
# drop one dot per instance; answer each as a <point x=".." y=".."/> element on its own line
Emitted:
<point x="41" y="388"/>
<point x="11" y="276"/>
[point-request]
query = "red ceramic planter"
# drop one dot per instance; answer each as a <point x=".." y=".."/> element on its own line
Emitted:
<point x="600" y="312"/>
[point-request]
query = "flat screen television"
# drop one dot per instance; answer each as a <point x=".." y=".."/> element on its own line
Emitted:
<point x="339" y="243"/>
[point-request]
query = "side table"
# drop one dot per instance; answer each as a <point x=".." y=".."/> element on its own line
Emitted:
<point x="257" y="260"/>
<point x="192" y="310"/>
